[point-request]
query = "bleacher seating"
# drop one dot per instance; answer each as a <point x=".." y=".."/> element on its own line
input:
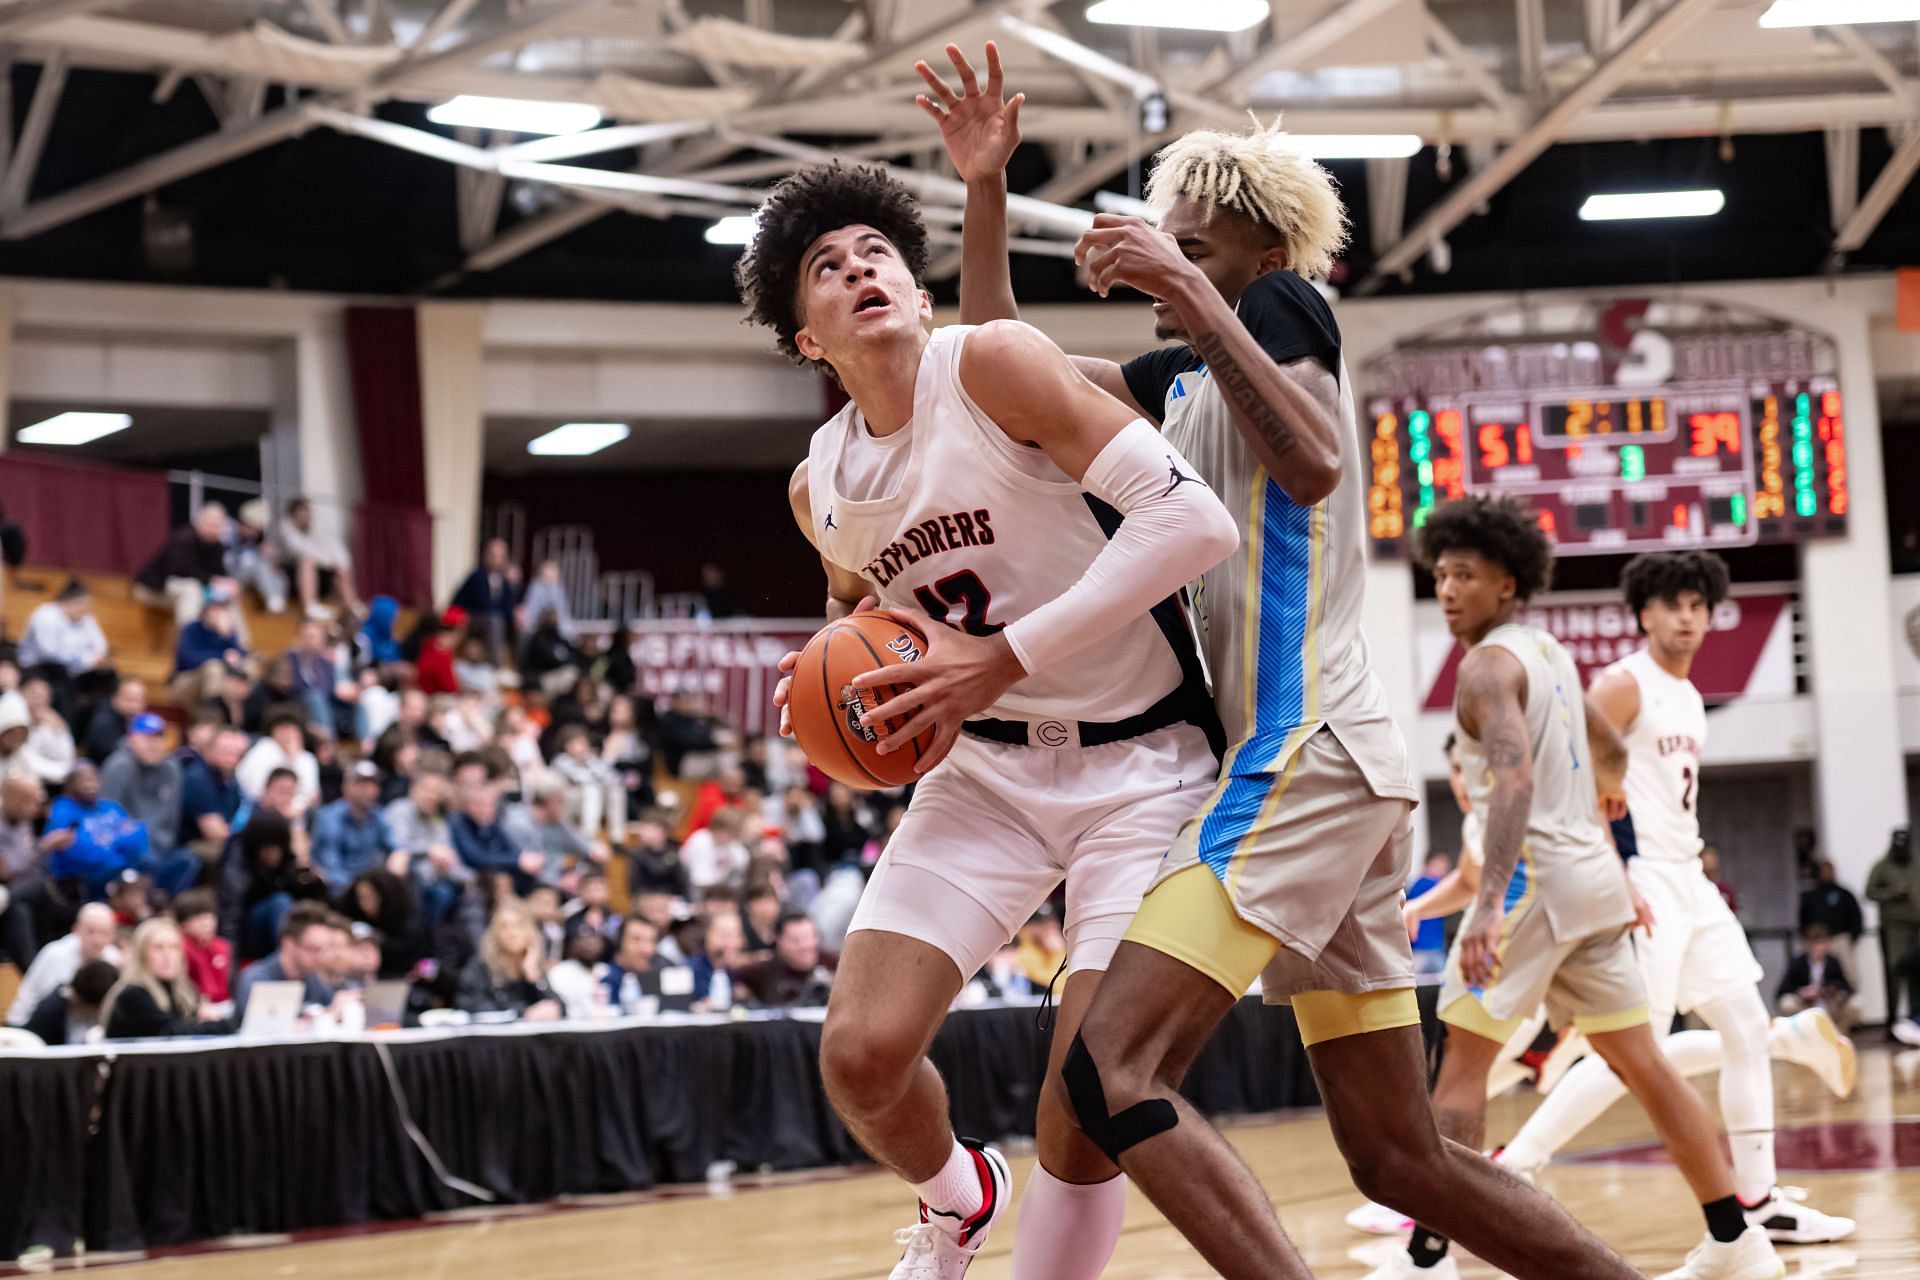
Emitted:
<point x="141" y="637"/>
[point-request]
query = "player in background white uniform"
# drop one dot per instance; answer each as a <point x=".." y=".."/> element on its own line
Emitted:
<point x="1694" y="956"/>
<point x="976" y="477"/>
<point x="1294" y="867"/>
<point x="1552" y="919"/>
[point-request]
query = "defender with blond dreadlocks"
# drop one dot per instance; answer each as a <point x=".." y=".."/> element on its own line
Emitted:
<point x="1291" y="870"/>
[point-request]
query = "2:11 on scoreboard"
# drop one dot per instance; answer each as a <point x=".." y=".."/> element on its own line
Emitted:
<point x="1617" y="473"/>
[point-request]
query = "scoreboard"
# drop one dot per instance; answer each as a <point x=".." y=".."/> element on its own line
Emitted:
<point x="1713" y="461"/>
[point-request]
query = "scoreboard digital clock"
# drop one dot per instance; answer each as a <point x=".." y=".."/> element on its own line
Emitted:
<point x="1711" y="461"/>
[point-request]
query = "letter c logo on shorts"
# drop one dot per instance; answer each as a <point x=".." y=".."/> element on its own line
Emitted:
<point x="1051" y="733"/>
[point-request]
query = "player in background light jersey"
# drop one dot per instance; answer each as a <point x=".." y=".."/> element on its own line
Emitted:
<point x="1552" y="918"/>
<point x="976" y="477"/>
<point x="1293" y="869"/>
<point x="1694" y="955"/>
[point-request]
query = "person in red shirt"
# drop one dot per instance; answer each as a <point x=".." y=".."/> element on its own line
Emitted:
<point x="209" y="956"/>
<point x="434" y="671"/>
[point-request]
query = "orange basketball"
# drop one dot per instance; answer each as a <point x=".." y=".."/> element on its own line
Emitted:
<point x="825" y="708"/>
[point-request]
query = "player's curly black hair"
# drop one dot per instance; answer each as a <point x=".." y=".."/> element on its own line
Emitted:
<point x="1663" y="575"/>
<point x="802" y="208"/>
<point x="1503" y="529"/>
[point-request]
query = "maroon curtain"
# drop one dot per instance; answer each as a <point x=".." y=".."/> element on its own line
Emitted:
<point x="393" y="543"/>
<point x="83" y="516"/>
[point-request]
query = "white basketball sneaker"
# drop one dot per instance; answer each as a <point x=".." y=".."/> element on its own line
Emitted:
<point x="1751" y="1257"/>
<point x="1400" y="1267"/>
<point x="1786" y="1218"/>
<point x="1810" y="1039"/>
<point x="1378" y="1220"/>
<point x="941" y="1246"/>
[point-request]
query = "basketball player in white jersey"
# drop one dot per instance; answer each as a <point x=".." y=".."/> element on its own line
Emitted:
<point x="1291" y="869"/>
<point x="1552" y="918"/>
<point x="1695" y="957"/>
<point x="976" y="477"/>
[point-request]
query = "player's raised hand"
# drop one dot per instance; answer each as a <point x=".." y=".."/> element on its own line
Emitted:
<point x="1479" y="943"/>
<point x="1122" y="249"/>
<point x="960" y="675"/>
<point x="980" y="127"/>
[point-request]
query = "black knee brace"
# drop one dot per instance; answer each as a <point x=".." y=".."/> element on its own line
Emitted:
<point x="1113" y="1134"/>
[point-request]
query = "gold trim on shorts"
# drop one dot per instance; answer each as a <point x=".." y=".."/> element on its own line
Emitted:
<point x="1468" y="1014"/>
<point x="1601" y="1023"/>
<point x="1191" y="905"/>
<point x="1330" y="1015"/>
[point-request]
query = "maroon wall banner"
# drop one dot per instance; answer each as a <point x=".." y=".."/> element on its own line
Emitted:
<point x="84" y="516"/>
<point x="1749" y="651"/>
<point x="732" y="665"/>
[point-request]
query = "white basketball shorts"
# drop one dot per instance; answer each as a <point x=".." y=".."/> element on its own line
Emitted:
<point x="1697" y="952"/>
<point x="994" y="828"/>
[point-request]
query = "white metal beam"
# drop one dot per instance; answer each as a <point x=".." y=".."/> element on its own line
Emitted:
<point x="1462" y="59"/>
<point x="1075" y="54"/>
<point x="405" y="137"/>
<point x="1300" y="47"/>
<point x="571" y="146"/>
<point x="505" y="38"/>
<point x="1880" y="196"/>
<point x="156" y="171"/>
<point x="33" y="134"/>
<point x="25" y="15"/>
<point x="1468" y="195"/>
<point x="1876" y="62"/>
<point x="326" y="15"/>
<point x="440" y="23"/>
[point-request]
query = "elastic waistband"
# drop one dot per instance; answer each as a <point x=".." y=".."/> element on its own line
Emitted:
<point x="1178" y="707"/>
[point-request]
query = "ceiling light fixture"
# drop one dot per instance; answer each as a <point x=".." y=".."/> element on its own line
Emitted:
<point x="74" y="428"/>
<point x="1114" y="202"/>
<point x="736" y="228"/>
<point x="516" y="115"/>
<point x="1353" y="146"/>
<point x="578" y="439"/>
<point x="1181" y="15"/>
<point x="1625" y="205"/>
<point x="1838" y="13"/>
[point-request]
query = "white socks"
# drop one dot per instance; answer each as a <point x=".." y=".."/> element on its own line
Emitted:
<point x="1067" y="1230"/>
<point x="1738" y="1047"/>
<point x="1746" y="1089"/>
<point x="956" y="1188"/>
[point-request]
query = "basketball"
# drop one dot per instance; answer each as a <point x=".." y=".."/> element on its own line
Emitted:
<point x="825" y="707"/>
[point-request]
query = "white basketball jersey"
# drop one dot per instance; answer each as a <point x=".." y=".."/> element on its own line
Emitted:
<point x="979" y="531"/>
<point x="1567" y="858"/>
<point x="1663" y="760"/>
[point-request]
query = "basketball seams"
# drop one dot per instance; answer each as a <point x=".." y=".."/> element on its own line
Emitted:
<point x="880" y="662"/>
<point x="829" y="705"/>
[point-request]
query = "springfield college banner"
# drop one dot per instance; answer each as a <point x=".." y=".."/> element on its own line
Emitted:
<point x="733" y="665"/>
<point x="1748" y="654"/>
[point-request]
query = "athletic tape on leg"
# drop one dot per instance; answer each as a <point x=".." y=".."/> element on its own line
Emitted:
<point x="1113" y="1134"/>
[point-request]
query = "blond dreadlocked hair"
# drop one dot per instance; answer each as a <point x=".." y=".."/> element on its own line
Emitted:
<point x="1260" y="176"/>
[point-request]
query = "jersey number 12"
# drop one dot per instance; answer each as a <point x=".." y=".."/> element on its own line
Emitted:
<point x="964" y="589"/>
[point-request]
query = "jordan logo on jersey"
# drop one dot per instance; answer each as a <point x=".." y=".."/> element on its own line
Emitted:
<point x="830" y="523"/>
<point x="1178" y="477"/>
<point x="930" y="537"/>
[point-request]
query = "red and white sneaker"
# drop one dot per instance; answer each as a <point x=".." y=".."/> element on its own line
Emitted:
<point x="941" y="1246"/>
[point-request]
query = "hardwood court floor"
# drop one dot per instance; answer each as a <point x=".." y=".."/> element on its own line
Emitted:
<point x="1860" y="1158"/>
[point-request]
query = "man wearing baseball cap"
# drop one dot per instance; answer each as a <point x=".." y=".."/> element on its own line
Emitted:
<point x="350" y="835"/>
<point x="143" y="777"/>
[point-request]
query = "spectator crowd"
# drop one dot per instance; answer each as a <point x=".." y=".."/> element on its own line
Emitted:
<point x="477" y="801"/>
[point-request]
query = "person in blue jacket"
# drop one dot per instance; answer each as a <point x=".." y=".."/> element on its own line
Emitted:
<point x="106" y="838"/>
